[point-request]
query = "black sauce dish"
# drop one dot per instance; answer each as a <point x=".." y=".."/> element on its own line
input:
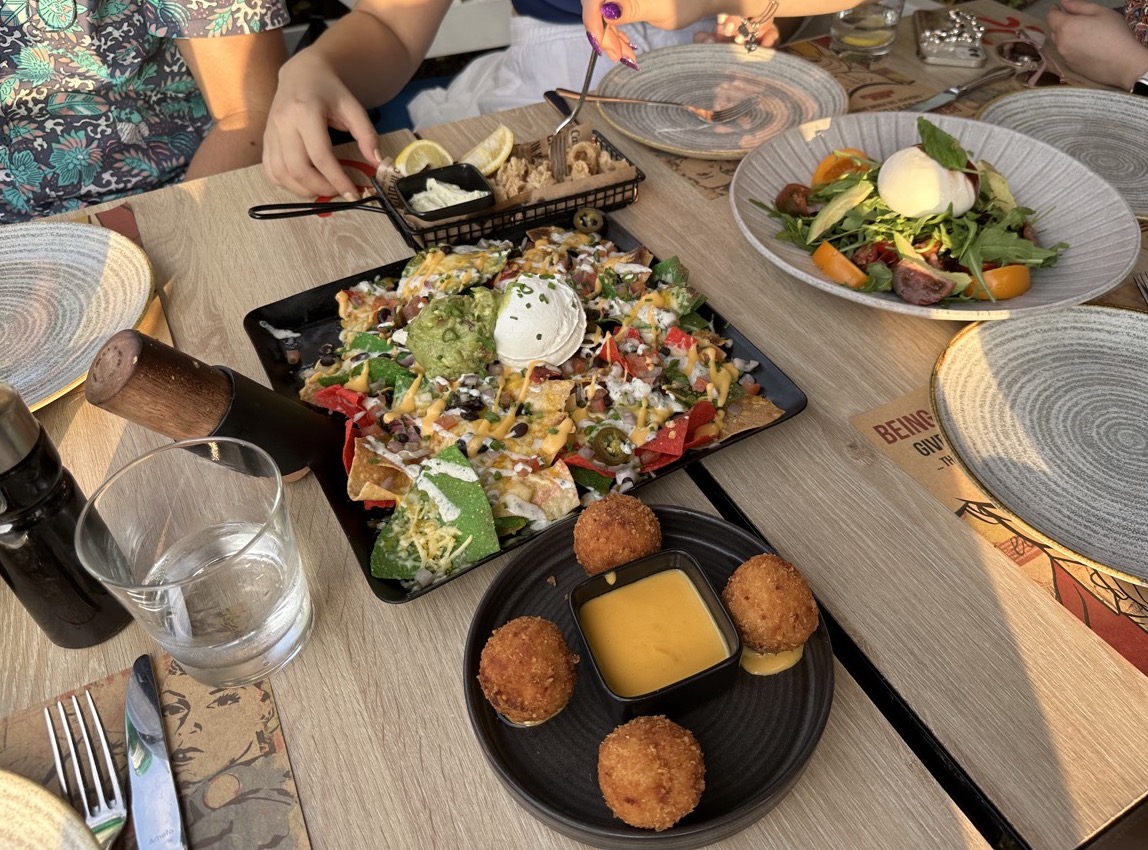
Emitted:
<point x="462" y="175"/>
<point x="684" y="694"/>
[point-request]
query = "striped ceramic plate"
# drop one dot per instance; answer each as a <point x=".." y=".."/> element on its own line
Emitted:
<point x="788" y="91"/>
<point x="64" y="289"/>
<point x="1105" y="130"/>
<point x="1049" y="415"/>
<point x="1072" y="203"/>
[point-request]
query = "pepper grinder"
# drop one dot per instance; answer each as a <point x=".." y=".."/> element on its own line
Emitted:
<point x="39" y="506"/>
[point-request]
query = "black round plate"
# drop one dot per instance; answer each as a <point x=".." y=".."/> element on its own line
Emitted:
<point x="756" y="738"/>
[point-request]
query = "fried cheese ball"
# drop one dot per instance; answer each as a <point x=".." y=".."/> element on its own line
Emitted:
<point x="614" y="531"/>
<point x="771" y="604"/>
<point x="651" y="772"/>
<point x="526" y="671"/>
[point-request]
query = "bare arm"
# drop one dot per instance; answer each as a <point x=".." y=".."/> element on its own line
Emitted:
<point x="1095" y="41"/>
<point x="237" y="76"/>
<point x="675" y="14"/>
<point x="366" y="57"/>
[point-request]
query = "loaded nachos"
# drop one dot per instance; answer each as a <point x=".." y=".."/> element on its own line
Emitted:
<point x="494" y="387"/>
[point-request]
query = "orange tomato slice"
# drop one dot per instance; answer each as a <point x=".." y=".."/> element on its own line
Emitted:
<point x="1003" y="282"/>
<point x="837" y="267"/>
<point x="839" y="163"/>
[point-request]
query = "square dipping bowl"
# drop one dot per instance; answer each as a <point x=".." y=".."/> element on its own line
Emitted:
<point x="658" y="637"/>
<point x="460" y="174"/>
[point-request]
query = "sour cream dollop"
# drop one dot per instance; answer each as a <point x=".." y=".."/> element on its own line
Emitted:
<point x="539" y="319"/>
<point x="915" y="185"/>
<point x="438" y="195"/>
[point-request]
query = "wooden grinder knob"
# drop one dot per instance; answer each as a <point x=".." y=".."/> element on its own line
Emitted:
<point x="158" y="387"/>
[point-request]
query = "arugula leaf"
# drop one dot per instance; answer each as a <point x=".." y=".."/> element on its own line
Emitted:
<point x="941" y="147"/>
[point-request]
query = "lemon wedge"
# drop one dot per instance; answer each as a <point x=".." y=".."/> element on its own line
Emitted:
<point x="421" y="154"/>
<point x="489" y="154"/>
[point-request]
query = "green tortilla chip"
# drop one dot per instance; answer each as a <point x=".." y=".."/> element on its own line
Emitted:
<point x="443" y="523"/>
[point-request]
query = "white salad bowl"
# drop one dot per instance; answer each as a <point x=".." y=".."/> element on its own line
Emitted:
<point x="1072" y="204"/>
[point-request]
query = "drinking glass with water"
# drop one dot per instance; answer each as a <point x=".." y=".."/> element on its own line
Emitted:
<point x="195" y="540"/>
<point x="866" y="30"/>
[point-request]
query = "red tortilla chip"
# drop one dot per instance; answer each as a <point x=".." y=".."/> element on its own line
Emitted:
<point x="667" y="445"/>
<point x="577" y="460"/>
<point x="702" y="413"/>
<point x="340" y="400"/>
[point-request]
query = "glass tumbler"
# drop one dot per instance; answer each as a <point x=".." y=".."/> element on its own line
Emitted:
<point x="195" y="540"/>
<point x="866" y="31"/>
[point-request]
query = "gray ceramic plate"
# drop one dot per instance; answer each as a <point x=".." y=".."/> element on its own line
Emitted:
<point x="788" y="91"/>
<point x="1073" y="203"/>
<point x="1050" y="416"/>
<point x="1105" y="130"/>
<point x="67" y="287"/>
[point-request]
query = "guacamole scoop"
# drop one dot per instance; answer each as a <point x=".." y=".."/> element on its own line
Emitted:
<point x="454" y="334"/>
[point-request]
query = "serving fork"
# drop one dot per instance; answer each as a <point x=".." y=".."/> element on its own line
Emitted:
<point x="560" y="141"/>
<point x="710" y="116"/>
<point x="106" y="817"/>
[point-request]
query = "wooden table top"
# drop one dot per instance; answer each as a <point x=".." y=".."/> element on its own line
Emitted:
<point x="1013" y="687"/>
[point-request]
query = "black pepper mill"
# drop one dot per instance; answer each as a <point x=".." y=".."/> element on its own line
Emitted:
<point x="39" y="506"/>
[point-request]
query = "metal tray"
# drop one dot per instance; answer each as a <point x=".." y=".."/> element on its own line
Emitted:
<point x="314" y="315"/>
<point x="604" y="198"/>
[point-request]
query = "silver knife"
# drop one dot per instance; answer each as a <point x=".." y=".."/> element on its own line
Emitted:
<point x="155" y="806"/>
<point x="951" y="94"/>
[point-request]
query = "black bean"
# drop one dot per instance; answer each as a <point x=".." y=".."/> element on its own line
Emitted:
<point x="462" y="446"/>
<point x="469" y="415"/>
<point x="360" y="357"/>
<point x="328" y="360"/>
<point x="326" y="348"/>
<point x="383" y="316"/>
<point x="519" y="430"/>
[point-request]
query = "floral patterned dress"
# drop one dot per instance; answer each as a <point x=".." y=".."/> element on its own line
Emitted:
<point x="1136" y="13"/>
<point x="96" y="101"/>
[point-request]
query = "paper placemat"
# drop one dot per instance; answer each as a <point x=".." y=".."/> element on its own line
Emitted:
<point x="905" y="431"/>
<point x="232" y="771"/>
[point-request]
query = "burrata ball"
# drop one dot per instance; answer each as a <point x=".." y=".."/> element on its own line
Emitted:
<point x="540" y="320"/>
<point x="915" y="185"/>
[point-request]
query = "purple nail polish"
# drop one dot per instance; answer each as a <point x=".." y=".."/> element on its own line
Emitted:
<point x="611" y="11"/>
<point x="594" y="43"/>
<point x="630" y="63"/>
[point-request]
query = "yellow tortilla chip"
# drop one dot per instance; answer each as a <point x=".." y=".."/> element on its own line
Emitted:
<point x="745" y="414"/>
<point x="545" y="495"/>
<point x="374" y="477"/>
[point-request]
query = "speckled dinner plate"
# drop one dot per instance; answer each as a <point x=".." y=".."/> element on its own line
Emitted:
<point x="788" y="91"/>
<point x="33" y="818"/>
<point x="1106" y="130"/>
<point x="1072" y="203"/>
<point x="64" y="289"/>
<point x="1050" y="416"/>
<point x="756" y="738"/>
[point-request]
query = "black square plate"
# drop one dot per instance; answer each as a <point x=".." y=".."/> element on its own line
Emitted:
<point x="314" y="315"/>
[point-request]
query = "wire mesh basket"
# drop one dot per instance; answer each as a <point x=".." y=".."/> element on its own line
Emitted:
<point x="604" y="198"/>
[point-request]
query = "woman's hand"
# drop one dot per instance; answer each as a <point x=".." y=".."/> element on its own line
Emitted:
<point x="297" y="152"/>
<point x="1096" y="42"/>
<point x="602" y="20"/>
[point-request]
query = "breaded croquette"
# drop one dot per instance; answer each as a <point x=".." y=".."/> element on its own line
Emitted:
<point x="614" y="531"/>
<point x="526" y="670"/>
<point x="651" y="772"/>
<point x="771" y="604"/>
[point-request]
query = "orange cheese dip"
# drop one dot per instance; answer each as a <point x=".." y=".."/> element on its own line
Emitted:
<point x="651" y="633"/>
<point x="768" y="663"/>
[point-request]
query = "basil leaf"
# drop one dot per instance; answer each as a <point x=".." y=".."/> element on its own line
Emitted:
<point x="941" y="147"/>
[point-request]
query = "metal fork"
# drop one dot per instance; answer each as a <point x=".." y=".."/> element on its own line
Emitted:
<point x="107" y="817"/>
<point x="710" y="116"/>
<point x="560" y="141"/>
<point x="1141" y="281"/>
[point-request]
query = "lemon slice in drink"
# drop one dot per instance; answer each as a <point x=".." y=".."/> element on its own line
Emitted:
<point x="866" y="39"/>
<point x="489" y="154"/>
<point x="421" y="154"/>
